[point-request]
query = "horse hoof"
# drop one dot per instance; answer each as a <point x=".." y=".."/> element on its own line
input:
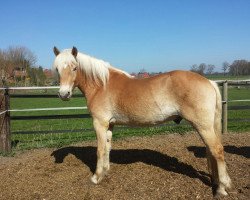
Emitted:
<point x="95" y="179"/>
<point x="220" y="192"/>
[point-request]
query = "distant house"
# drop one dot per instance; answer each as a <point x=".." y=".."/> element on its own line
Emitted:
<point x="143" y="75"/>
<point x="19" y="72"/>
<point x="50" y="77"/>
<point x="48" y="73"/>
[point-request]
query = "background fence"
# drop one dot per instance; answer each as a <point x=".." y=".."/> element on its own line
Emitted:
<point x="6" y="117"/>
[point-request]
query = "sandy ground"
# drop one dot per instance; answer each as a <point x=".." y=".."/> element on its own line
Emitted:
<point x="157" y="167"/>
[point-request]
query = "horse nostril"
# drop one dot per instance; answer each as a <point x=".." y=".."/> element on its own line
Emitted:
<point x="64" y="94"/>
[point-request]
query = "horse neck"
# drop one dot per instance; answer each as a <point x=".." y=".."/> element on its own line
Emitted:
<point x="90" y="89"/>
<point x="87" y="87"/>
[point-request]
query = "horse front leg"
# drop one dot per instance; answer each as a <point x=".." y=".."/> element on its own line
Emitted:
<point x="101" y="134"/>
<point x="108" y="148"/>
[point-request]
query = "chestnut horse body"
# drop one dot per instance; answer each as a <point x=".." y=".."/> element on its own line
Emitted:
<point x="114" y="97"/>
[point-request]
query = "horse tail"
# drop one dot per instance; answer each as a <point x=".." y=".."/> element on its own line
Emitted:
<point x="218" y="110"/>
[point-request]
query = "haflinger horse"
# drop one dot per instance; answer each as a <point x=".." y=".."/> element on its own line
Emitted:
<point x="115" y="97"/>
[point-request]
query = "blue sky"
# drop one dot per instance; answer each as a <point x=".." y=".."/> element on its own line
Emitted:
<point x="157" y="35"/>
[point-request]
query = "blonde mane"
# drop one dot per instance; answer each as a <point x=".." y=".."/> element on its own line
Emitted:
<point x="94" y="69"/>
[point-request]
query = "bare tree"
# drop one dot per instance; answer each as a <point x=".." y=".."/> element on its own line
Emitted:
<point x="21" y="56"/>
<point x="5" y="66"/>
<point x="194" y="68"/>
<point x="199" y="69"/>
<point x="15" y="58"/>
<point x="202" y="68"/>
<point x="240" y="67"/>
<point x="210" y="69"/>
<point x="225" y="66"/>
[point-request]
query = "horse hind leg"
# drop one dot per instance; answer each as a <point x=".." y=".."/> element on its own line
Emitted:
<point x="220" y="177"/>
<point x="216" y="161"/>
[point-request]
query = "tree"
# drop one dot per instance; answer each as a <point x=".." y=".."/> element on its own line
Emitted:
<point x="225" y="66"/>
<point x="21" y="56"/>
<point x="210" y="69"/>
<point x="6" y="67"/>
<point x="15" y="58"/>
<point x="32" y="76"/>
<point x="201" y="69"/>
<point x="240" y="67"/>
<point x="41" y="76"/>
<point x="194" y="68"/>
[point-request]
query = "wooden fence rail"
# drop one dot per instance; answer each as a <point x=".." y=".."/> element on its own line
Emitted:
<point x="5" y="117"/>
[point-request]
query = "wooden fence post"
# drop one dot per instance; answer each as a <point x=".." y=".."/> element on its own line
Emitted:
<point x="5" y="136"/>
<point x="224" y="106"/>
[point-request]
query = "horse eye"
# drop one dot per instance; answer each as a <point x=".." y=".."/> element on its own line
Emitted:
<point x="75" y="68"/>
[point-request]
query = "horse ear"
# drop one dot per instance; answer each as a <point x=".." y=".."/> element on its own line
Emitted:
<point x="56" y="51"/>
<point x="74" y="51"/>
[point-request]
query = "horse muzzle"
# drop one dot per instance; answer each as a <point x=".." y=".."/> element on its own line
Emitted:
<point x="65" y="96"/>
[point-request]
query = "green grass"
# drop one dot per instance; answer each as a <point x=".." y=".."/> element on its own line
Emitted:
<point x="227" y="77"/>
<point x="241" y="93"/>
<point x="235" y="93"/>
<point x="82" y="129"/>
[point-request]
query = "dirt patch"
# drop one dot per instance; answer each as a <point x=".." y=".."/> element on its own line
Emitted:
<point x="157" y="167"/>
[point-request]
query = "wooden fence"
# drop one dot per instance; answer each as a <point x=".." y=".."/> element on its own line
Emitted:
<point x="5" y="117"/>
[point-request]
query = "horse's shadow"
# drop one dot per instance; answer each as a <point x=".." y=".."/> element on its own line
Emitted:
<point x="200" y="152"/>
<point x="120" y="156"/>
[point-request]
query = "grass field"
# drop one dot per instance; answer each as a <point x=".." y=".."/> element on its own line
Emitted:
<point x="227" y="77"/>
<point x="58" y="132"/>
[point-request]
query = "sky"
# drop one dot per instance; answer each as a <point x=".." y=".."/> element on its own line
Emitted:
<point x="155" y="35"/>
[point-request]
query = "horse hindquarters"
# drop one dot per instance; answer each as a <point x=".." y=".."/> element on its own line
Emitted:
<point x="205" y="116"/>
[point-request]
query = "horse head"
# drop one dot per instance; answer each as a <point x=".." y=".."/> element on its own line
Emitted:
<point x="66" y="66"/>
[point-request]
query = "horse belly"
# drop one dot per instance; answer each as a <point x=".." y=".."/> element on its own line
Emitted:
<point x="146" y="116"/>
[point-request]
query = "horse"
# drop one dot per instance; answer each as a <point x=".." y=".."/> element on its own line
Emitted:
<point x="116" y="98"/>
